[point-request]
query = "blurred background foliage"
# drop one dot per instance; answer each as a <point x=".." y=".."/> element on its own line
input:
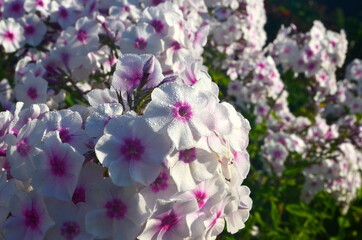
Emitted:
<point x="278" y="212"/>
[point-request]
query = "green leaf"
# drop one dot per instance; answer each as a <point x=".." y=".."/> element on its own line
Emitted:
<point x="274" y="214"/>
<point x="69" y="100"/>
<point x="258" y="219"/>
<point x="343" y="222"/>
<point x="297" y="210"/>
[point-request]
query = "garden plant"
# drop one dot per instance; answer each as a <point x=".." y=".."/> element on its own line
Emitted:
<point x="175" y="119"/>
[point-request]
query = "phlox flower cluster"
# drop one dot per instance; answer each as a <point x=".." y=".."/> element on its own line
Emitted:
<point x="152" y="157"/>
<point x="337" y="175"/>
<point x="348" y="99"/>
<point x="148" y="150"/>
<point x="316" y="54"/>
<point x="258" y="88"/>
<point x="236" y="29"/>
<point x="72" y="46"/>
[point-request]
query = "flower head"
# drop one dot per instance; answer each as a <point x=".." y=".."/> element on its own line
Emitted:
<point x="182" y="112"/>
<point x="11" y="35"/>
<point x="30" y="219"/>
<point x="58" y="168"/>
<point x="132" y="151"/>
<point x="119" y="213"/>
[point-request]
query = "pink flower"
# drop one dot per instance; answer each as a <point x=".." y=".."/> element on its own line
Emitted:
<point x="163" y="188"/>
<point x="240" y="207"/>
<point x="101" y="96"/>
<point x="31" y="90"/>
<point x="14" y="9"/>
<point x="68" y="124"/>
<point x="31" y="6"/>
<point x="191" y="166"/>
<point x="119" y="213"/>
<point x="11" y="35"/>
<point x="99" y="119"/>
<point x="35" y="111"/>
<point x="34" y="30"/>
<point x="140" y="39"/>
<point x="58" y="168"/>
<point x="207" y="193"/>
<point x="124" y="10"/>
<point x="163" y="19"/>
<point x="21" y="149"/>
<point x="169" y="221"/>
<point x="69" y="220"/>
<point x="84" y="37"/>
<point x="182" y="112"/>
<point x="132" y="151"/>
<point x="130" y="72"/>
<point x="29" y="220"/>
<point x="216" y="223"/>
<point x="90" y="174"/>
<point x="63" y="14"/>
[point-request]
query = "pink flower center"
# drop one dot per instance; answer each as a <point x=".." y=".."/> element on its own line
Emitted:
<point x="234" y="87"/>
<point x="309" y="53"/>
<point x="78" y="195"/>
<point x="82" y="35"/>
<point x="261" y="110"/>
<point x="311" y="66"/>
<point x="132" y="149"/>
<point x="187" y="156"/>
<point x="64" y="135"/>
<point x="232" y="28"/>
<point x="261" y="65"/>
<point x="57" y="166"/>
<point x="63" y="13"/>
<point x="70" y="230"/>
<point x="175" y="45"/>
<point x="282" y="140"/>
<point x="32" y="219"/>
<point x="157" y="25"/>
<point x="39" y="3"/>
<point x="16" y="7"/>
<point x="116" y="209"/>
<point x="9" y="36"/>
<point x="140" y="43"/>
<point x="126" y="8"/>
<point x="169" y="221"/>
<point x="29" y="29"/>
<point x="200" y="198"/>
<point x="160" y="183"/>
<point x="32" y="93"/>
<point x="22" y="147"/>
<point x="182" y="111"/>
<point x="277" y="154"/>
<point x="260" y="76"/>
